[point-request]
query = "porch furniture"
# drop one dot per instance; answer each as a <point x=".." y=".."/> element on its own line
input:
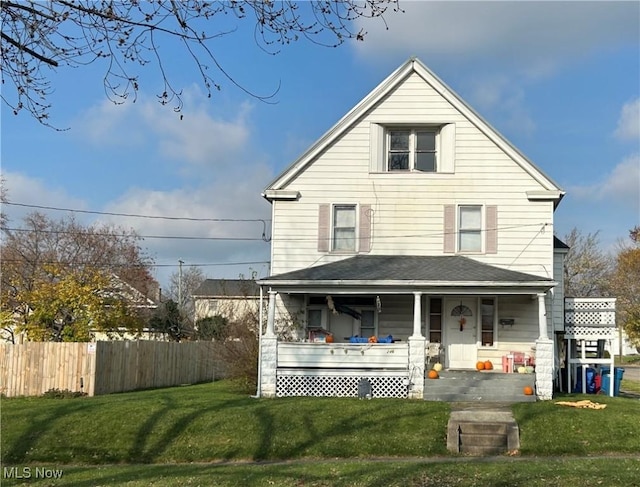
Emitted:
<point x="433" y="353"/>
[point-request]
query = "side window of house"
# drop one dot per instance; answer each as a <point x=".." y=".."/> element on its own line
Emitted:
<point x="367" y="323"/>
<point x="470" y="228"/>
<point x="411" y="150"/>
<point x="435" y="320"/>
<point x="344" y="227"/>
<point x="488" y="322"/>
<point x="314" y="318"/>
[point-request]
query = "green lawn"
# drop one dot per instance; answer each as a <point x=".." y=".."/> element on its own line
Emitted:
<point x="210" y="434"/>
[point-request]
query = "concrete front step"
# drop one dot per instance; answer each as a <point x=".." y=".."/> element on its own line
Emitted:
<point x="482" y="432"/>
<point x="455" y="386"/>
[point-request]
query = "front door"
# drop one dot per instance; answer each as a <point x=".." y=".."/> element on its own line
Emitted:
<point x="460" y="318"/>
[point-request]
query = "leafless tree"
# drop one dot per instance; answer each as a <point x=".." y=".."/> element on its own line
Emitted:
<point x="39" y="37"/>
<point x="181" y="288"/>
<point x="587" y="268"/>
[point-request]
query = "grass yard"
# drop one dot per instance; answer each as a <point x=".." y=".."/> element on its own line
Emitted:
<point x="210" y="434"/>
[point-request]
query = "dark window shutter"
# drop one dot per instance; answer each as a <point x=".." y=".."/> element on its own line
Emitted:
<point x="364" y="236"/>
<point x="449" y="229"/>
<point x="324" y="231"/>
<point x="491" y="230"/>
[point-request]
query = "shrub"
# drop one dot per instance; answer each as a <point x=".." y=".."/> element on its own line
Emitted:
<point x="63" y="394"/>
<point x="212" y="328"/>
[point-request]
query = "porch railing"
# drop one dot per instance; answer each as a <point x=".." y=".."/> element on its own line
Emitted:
<point x="337" y="369"/>
<point x="343" y="356"/>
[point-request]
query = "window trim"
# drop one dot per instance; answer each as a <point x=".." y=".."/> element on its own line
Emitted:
<point x="375" y="318"/>
<point x="445" y="146"/>
<point x="333" y="228"/>
<point x="430" y="313"/>
<point x="494" y="345"/>
<point x="481" y="231"/>
<point x="323" y="315"/>
<point x="413" y="149"/>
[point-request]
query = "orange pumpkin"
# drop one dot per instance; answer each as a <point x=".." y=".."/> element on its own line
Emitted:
<point x="329" y="339"/>
<point x="373" y="339"/>
<point x="480" y="365"/>
<point x="432" y="374"/>
<point x="488" y="365"/>
<point x="528" y="391"/>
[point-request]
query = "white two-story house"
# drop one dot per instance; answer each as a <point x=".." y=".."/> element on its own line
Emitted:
<point x="411" y="220"/>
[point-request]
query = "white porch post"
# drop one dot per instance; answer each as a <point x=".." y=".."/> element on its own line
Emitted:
<point x="269" y="352"/>
<point x="271" y="315"/>
<point x="542" y="316"/>
<point x="544" y="354"/>
<point x="416" y="351"/>
<point x="417" y="314"/>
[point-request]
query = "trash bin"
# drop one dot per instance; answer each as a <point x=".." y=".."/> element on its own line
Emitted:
<point x="606" y="373"/>
<point x="590" y="375"/>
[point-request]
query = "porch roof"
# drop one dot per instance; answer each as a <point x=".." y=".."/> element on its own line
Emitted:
<point x="395" y="272"/>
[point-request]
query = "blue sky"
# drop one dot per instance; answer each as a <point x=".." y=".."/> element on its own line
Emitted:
<point x="560" y="80"/>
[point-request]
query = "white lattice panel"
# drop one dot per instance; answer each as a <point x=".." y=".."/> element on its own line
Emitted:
<point x="590" y="332"/>
<point x="590" y="311"/>
<point x="338" y="386"/>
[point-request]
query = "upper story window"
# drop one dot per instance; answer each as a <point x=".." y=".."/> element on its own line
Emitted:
<point x="411" y="149"/>
<point x="470" y="228"/>
<point x="344" y="228"/>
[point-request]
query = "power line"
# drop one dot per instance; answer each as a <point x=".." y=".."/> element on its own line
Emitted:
<point x="169" y="237"/>
<point x="133" y="266"/>
<point x="135" y="215"/>
<point x="283" y="239"/>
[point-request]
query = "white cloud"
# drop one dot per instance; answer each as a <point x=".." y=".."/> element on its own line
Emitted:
<point x="198" y="138"/>
<point x="237" y="197"/>
<point x="193" y="137"/>
<point x="629" y="122"/>
<point x="533" y="36"/>
<point x="33" y="191"/>
<point x="498" y="95"/>
<point x="621" y="185"/>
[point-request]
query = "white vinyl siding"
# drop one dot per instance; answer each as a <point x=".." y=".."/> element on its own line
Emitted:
<point x="406" y="209"/>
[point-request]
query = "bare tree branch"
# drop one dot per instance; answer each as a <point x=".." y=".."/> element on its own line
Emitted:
<point x="120" y="35"/>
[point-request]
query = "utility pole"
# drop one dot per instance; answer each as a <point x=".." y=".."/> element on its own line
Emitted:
<point x="180" y="262"/>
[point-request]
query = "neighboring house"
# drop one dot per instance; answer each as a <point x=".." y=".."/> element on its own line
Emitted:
<point x="137" y="301"/>
<point x="225" y="297"/>
<point x="411" y="217"/>
<point x="119" y="288"/>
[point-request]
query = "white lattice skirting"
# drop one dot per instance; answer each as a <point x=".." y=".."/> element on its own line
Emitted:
<point x="591" y="332"/>
<point x="590" y="311"/>
<point x="339" y="385"/>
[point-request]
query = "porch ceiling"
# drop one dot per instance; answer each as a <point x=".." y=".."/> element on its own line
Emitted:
<point x="394" y="273"/>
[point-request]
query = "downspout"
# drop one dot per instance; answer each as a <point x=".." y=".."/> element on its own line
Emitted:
<point x="260" y="318"/>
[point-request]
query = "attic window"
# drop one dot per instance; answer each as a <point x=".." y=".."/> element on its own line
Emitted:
<point x="418" y="149"/>
<point x="411" y="149"/>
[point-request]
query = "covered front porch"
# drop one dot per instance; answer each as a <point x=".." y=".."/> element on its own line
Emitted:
<point x="485" y="316"/>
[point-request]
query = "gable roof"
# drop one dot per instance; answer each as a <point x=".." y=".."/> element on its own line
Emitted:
<point x="211" y="288"/>
<point x="559" y="244"/>
<point x="413" y="65"/>
<point x="404" y="270"/>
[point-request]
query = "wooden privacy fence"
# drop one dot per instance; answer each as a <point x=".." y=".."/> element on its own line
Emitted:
<point x="33" y="368"/>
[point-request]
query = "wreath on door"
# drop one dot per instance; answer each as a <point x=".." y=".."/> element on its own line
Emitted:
<point x="461" y="311"/>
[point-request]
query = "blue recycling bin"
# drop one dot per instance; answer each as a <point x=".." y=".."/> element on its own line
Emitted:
<point x="606" y="377"/>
